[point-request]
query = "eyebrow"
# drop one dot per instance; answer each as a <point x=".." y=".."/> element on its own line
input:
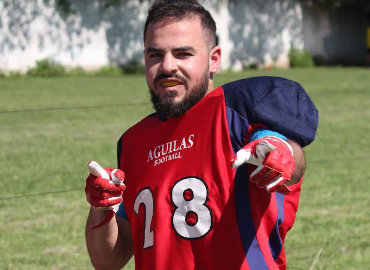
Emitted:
<point x="179" y="49"/>
<point x="184" y="48"/>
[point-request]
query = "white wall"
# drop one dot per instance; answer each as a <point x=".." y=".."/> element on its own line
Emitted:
<point x="259" y="31"/>
<point x="92" y="37"/>
<point x="262" y="31"/>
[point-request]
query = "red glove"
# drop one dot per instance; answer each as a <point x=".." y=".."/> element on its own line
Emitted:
<point x="104" y="189"/>
<point x="274" y="160"/>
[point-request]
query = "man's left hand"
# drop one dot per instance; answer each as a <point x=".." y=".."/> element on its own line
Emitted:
<point x="274" y="160"/>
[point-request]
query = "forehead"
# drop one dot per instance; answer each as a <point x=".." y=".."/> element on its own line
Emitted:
<point x="171" y="31"/>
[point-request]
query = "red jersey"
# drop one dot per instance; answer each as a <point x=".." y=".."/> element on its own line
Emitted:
<point x="187" y="207"/>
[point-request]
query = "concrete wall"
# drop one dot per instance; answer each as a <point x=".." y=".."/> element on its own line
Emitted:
<point x="263" y="31"/>
<point x="335" y="34"/>
<point x="250" y="31"/>
<point x="92" y="37"/>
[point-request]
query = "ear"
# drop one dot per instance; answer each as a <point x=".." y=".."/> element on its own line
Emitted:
<point x="214" y="60"/>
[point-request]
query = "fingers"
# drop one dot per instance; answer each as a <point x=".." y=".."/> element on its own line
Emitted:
<point x="97" y="170"/>
<point x="117" y="176"/>
<point x="274" y="160"/>
<point x="104" y="188"/>
<point x="262" y="176"/>
<point x="270" y="179"/>
<point x="107" y="185"/>
<point x="241" y="157"/>
<point x="252" y="153"/>
<point x="101" y="192"/>
<point x="263" y="148"/>
<point x="104" y="202"/>
<point x="104" y="184"/>
<point x="275" y="184"/>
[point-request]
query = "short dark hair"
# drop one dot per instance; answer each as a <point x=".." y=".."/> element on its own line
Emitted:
<point x="178" y="10"/>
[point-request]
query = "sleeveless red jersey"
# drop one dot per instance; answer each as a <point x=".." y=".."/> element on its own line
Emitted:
<point x="187" y="207"/>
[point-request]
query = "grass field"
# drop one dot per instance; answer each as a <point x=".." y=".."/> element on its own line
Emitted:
<point x="51" y="127"/>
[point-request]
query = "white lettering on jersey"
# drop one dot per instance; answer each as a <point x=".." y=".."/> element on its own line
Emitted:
<point x="170" y="151"/>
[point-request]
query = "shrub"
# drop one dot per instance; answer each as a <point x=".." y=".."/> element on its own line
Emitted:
<point x="133" y="67"/>
<point x="76" y="71"/>
<point x="108" y="71"/>
<point x="47" y="67"/>
<point x="253" y="65"/>
<point x="14" y="73"/>
<point x="300" y="58"/>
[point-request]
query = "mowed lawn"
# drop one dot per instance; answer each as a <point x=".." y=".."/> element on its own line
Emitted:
<point x="51" y="127"/>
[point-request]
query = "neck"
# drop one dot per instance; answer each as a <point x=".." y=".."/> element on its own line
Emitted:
<point x="210" y="86"/>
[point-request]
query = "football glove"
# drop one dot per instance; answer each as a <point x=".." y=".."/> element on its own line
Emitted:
<point x="274" y="160"/>
<point x="104" y="189"/>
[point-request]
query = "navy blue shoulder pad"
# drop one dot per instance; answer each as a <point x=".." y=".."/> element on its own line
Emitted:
<point x="280" y="104"/>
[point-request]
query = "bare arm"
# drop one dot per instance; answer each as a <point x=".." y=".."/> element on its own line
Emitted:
<point x="109" y="246"/>
<point x="300" y="163"/>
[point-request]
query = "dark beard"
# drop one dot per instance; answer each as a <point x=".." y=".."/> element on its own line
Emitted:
<point x="166" y="108"/>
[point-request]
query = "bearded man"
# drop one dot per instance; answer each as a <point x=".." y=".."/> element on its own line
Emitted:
<point x="190" y="201"/>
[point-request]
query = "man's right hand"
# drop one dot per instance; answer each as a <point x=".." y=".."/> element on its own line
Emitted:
<point x="104" y="189"/>
<point x="103" y="192"/>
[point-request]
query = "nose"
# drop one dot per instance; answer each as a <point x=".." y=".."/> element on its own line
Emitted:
<point x="169" y="64"/>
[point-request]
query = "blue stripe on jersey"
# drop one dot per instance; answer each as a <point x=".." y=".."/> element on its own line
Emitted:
<point x="238" y="127"/>
<point x="122" y="212"/>
<point x="247" y="231"/>
<point x="275" y="241"/>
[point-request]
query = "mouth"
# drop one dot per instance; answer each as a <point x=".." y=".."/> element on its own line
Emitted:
<point x="169" y="82"/>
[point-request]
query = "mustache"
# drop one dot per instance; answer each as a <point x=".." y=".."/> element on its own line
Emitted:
<point x="174" y="75"/>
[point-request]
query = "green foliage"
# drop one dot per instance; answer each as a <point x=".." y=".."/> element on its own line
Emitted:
<point x="300" y="58"/>
<point x="14" y="73"/>
<point x="47" y="67"/>
<point x="108" y="71"/>
<point x="133" y="67"/>
<point x="44" y="151"/>
<point x="77" y="71"/>
<point x="252" y="65"/>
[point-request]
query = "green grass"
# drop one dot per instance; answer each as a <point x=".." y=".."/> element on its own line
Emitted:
<point x="51" y="127"/>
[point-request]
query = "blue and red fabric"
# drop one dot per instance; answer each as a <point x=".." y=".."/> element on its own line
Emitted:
<point x="234" y="224"/>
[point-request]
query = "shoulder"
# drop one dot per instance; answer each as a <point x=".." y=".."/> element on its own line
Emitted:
<point x="255" y="90"/>
<point x="134" y="133"/>
<point x="279" y="104"/>
<point x="137" y="131"/>
<point x="141" y="127"/>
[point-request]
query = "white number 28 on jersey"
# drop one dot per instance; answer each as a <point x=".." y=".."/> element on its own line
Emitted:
<point x="191" y="218"/>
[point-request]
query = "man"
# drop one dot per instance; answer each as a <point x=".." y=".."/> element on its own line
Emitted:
<point x="191" y="202"/>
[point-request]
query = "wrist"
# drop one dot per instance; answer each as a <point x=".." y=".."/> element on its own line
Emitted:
<point x="98" y="213"/>
<point x="99" y="216"/>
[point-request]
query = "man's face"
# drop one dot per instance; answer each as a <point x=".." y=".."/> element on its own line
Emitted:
<point x="177" y="64"/>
